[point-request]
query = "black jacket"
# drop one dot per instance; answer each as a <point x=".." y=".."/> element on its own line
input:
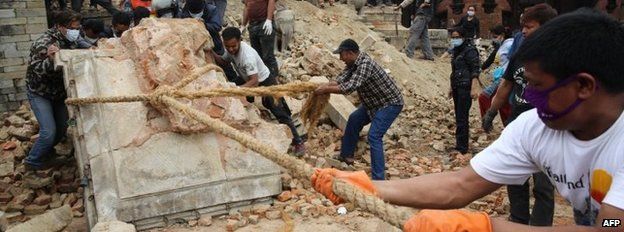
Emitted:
<point x="471" y="28"/>
<point x="488" y="62"/>
<point x="465" y="65"/>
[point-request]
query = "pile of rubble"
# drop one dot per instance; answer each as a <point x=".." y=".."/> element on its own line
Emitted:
<point x="23" y="194"/>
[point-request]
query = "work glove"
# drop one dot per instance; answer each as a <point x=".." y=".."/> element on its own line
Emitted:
<point x="268" y="27"/>
<point x="456" y="220"/>
<point x="488" y="118"/>
<point x="322" y="182"/>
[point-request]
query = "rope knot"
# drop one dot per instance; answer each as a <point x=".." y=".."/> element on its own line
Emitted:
<point x="164" y="90"/>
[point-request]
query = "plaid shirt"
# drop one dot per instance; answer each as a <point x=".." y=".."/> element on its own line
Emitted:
<point x="375" y="87"/>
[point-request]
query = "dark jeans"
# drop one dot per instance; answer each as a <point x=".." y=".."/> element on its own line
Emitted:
<point x="380" y="123"/>
<point x="543" y="209"/>
<point x="280" y="110"/>
<point x="221" y="5"/>
<point x="52" y="117"/>
<point x="462" y="103"/>
<point x="264" y="45"/>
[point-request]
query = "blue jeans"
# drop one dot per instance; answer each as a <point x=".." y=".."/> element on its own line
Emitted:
<point x="221" y="5"/>
<point x="380" y="123"/>
<point x="52" y="116"/>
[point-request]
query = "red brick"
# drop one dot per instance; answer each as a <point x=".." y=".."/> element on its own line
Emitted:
<point x="35" y="209"/>
<point x="43" y="200"/>
<point x="5" y="198"/>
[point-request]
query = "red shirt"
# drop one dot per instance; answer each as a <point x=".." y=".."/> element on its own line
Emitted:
<point x="257" y="10"/>
<point x="144" y="3"/>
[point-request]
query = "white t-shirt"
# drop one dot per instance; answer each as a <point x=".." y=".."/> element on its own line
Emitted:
<point x="582" y="171"/>
<point x="248" y="62"/>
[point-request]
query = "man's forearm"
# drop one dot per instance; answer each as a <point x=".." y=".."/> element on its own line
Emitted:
<point x="270" y="9"/>
<point x="405" y="3"/>
<point x="245" y="19"/>
<point x="335" y="89"/>
<point x="217" y="58"/>
<point x="252" y="82"/>
<point x="502" y="95"/>
<point x="447" y="190"/>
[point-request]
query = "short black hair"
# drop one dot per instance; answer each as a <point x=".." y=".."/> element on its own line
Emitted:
<point x="195" y="6"/>
<point x="95" y="25"/>
<point x="581" y="41"/>
<point x="231" y="33"/>
<point x="64" y="17"/>
<point x="140" y="13"/>
<point x="541" y="13"/>
<point x="459" y="30"/>
<point x="122" y="18"/>
<point x="501" y="30"/>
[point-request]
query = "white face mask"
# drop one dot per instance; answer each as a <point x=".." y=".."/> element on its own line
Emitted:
<point x="471" y="13"/>
<point x="198" y="15"/>
<point x="72" y="35"/>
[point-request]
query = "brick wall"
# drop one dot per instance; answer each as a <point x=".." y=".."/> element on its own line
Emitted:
<point x="21" y="22"/>
<point x="486" y="21"/>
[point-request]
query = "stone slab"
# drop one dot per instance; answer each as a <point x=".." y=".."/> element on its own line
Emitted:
<point x="53" y="220"/>
<point x="339" y="107"/>
<point x="138" y="172"/>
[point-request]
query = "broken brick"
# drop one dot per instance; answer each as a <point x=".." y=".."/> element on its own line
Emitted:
<point x="43" y="200"/>
<point x="285" y="196"/>
<point x="35" y="209"/>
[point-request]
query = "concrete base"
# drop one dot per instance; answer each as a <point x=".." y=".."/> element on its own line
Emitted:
<point x="140" y="172"/>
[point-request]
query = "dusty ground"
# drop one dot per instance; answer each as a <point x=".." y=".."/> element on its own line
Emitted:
<point x="419" y="142"/>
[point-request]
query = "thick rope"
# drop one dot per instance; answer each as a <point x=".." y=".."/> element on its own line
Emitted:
<point x="300" y="169"/>
<point x="290" y="89"/>
<point x="394" y="215"/>
<point x="196" y="74"/>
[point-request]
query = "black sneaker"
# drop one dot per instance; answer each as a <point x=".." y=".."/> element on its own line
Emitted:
<point x="346" y="160"/>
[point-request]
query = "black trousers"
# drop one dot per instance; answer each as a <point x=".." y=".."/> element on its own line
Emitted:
<point x="543" y="209"/>
<point x="462" y="103"/>
<point x="279" y="109"/>
<point x="264" y="44"/>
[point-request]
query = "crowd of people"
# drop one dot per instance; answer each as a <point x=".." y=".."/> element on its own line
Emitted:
<point x="555" y="83"/>
<point x="558" y="87"/>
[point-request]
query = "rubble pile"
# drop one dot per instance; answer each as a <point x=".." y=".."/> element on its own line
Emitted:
<point x="25" y="194"/>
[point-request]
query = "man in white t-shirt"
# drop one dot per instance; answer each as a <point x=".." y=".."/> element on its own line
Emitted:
<point x="252" y="72"/>
<point x="574" y="67"/>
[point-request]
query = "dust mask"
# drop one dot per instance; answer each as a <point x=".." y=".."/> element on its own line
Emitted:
<point x="198" y="15"/>
<point x="457" y="42"/>
<point x="539" y="100"/>
<point x="72" y="35"/>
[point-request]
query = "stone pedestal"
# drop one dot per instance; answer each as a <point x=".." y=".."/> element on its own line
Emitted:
<point x="139" y="171"/>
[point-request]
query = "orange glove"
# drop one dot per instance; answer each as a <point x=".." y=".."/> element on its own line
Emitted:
<point x="448" y="221"/>
<point x="322" y="181"/>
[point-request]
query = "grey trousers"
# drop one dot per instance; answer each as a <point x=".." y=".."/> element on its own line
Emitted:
<point x="419" y="30"/>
